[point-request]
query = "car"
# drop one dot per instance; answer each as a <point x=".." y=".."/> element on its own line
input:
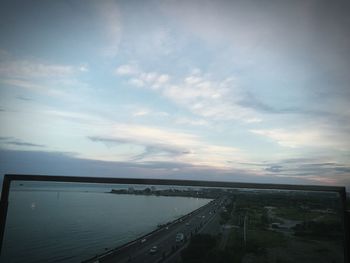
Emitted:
<point x="187" y="224"/>
<point x="143" y="240"/>
<point x="179" y="237"/>
<point x="153" y="250"/>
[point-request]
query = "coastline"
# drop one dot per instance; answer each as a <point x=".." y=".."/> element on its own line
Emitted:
<point x="146" y="236"/>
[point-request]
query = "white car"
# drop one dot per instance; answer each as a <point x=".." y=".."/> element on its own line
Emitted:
<point x="153" y="250"/>
<point x="179" y="237"/>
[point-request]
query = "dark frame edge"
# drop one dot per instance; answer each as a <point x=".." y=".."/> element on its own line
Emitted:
<point x="3" y="206"/>
<point x="80" y="179"/>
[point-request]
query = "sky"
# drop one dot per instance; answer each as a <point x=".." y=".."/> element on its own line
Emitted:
<point x="245" y="91"/>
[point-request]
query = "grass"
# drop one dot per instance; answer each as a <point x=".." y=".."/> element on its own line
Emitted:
<point x="296" y="214"/>
<point x="266" y="238"/>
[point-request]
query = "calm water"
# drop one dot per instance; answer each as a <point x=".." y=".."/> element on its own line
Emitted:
<point x="70" y="224"/>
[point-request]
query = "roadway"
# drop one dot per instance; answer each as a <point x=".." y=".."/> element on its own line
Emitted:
<point x="202" y="220"/>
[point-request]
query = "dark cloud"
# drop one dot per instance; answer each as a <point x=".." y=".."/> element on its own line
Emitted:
<point x="325" y="164"/>
<point x="306" y="165"/>
<point x="274" y="168"/>
<point x="160" y="150"/>
<point x="299" y="160"/>
<point x="69" y="164"/>
<point x="17" y="142"/>
<point x="150" y="149"/>
<point x="343" y="169"/>
<point x="63" y="163"/>
<point x="251" y="101"/>
<point x="313" y="170"/>
<point x="108" y="141"/>
<point x="309" y="170"/>
<point x="302" y="167"/>
<point x="23" y="98"/>
<point x="264" y="164"/>
<point x="302" y="45"/>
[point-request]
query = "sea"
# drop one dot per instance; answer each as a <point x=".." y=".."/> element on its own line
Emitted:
<point x="61" y="222"/>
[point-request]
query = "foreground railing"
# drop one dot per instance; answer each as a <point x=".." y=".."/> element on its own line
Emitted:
<point x="93" y="219"/>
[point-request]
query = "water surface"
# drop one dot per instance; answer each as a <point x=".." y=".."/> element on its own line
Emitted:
<point x="65" y="223"/>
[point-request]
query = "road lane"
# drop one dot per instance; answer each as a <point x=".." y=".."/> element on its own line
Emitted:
<point x="163" y="238"/>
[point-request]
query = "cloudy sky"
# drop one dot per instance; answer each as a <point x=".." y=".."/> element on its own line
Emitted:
<point x="248" y="91"/>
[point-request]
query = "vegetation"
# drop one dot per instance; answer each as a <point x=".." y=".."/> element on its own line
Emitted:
<point x="199" y="249"/>
<point x="203" y="193"/>
<point x="295" y="213"/>
<point x="266" y="238"/>
<point x="318" y="229"/>
<point x="261" y="214"/>
<point x="237" y="212"/>
<point x="226" y="214"/>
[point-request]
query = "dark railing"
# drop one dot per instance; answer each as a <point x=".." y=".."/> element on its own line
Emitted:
<point x="191" y="183"/>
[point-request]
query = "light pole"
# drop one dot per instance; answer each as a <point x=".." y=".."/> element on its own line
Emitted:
<point x="245" y="230"/>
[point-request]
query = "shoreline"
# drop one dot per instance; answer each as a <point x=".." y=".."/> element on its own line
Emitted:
<point x="147" y="235"/>
<point x="207" y="194"/>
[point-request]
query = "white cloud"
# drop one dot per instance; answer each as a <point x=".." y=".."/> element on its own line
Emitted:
<point x="25" y="69"/>
<point x="210" y="98"/>
<point x="192" y="80"/>
<point x="156" y="135"/>
<point x="196" y="92"/>
<point x="290" y="138"/>
<point x="57" y="80"/>
<point x="138" y="78"/>
<point x="126" y="70"/>
<point x="153" y="80"/>
<point x="162" y="114"/>
<point x="140" y="110"/>
<point x="171" y="145"/>
<point x="141" y="113"/>
<point x="35" y="87"/>
<point x="83" y="68"/>
<point x="24" y="84"/>
<point x="148" y="112"/>
<point x="188" y="121"/>
<point x="149" y="77"/>
<point x="137" y="82"/>
<point x="75" y="116"/>
<point x="319" y="136"/>
<point x="161" y="80"/>
<point x="253" y="120"/>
